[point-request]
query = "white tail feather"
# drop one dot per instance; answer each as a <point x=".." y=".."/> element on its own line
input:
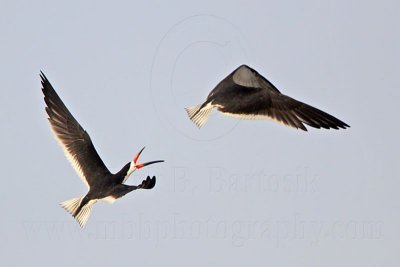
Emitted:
<point x="83" y="216"/>
<point x="199" y="116"/>
<point x="192" y="110"/>
<point x="72" y="206"/>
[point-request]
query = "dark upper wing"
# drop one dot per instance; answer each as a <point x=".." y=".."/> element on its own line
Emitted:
<point x="122" y="189"/>
<point x="264" y="101"/>
<point x="74" y="140"/>
<point x="294" y="113"/>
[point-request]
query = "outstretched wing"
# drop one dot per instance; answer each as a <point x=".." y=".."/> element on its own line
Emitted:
<point x="293" y="113"/>
<point x="249" y="95"/>
<point x="74" y="140"/>
<point x="149" y="183"/>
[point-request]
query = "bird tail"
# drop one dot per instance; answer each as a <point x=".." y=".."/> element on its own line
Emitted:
<point x="72" y="206"/>
<point x="199" y="113"/>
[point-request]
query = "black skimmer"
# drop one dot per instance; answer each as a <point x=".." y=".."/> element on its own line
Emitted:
<point x="246" y="94"/>
<point x="79" y="149"/>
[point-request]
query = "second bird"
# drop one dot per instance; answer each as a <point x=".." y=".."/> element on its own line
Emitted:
<point x="246" y="94"/>
<point x="79" y="149"/>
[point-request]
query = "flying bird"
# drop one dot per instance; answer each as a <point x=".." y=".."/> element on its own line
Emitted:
<point x="245" y="94"/>
<point x="80" y="151"/>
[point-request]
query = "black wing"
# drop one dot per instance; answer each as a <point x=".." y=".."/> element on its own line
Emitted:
<point x="294" y="113"/>
<point x="74" y="140"/>
<point x="121" y="190"/>
<point x="149" y="183"/>
<point x="247" y="94"/>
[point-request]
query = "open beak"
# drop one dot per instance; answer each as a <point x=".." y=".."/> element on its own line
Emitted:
<point x="138" y="166"/>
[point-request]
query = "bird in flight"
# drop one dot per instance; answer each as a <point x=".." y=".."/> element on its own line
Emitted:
<point x="80" y="151"/>
<point x="245" y="94"/>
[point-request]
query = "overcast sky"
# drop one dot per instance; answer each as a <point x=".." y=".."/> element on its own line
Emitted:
<point x="235" y="193"/>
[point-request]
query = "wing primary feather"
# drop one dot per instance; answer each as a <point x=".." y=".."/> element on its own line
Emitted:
<point x="74" y="140"/>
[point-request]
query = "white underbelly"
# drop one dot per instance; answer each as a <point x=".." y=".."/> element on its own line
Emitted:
<point x="109" y="199"/>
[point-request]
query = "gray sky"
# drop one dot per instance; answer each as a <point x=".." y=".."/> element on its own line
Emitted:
<point x="235" y="193"/>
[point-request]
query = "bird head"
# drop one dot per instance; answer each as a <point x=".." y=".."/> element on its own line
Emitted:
<point x="134" y="165"/>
